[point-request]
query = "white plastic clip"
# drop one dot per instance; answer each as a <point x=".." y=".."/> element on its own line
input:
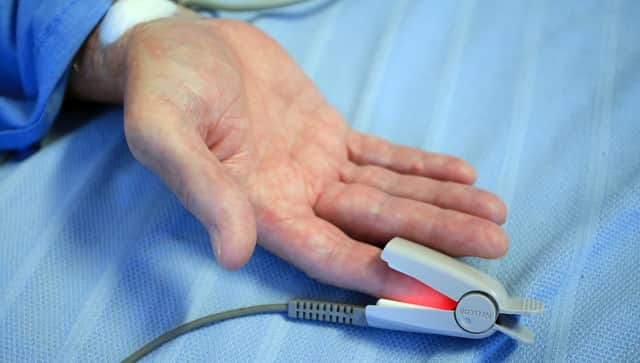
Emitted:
<point x="483" y="306"/>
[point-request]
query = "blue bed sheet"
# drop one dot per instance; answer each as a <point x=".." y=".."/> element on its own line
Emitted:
<point x="97" y="257"/>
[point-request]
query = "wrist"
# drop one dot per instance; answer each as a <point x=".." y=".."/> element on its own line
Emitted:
<point x="98" y="73"/>
<point x="99" y="70"/>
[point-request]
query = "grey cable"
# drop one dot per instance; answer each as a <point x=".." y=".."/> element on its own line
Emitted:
<point x="295" y="309"/>
<point x="198" y="323"/>
<point x="244" y="6"/>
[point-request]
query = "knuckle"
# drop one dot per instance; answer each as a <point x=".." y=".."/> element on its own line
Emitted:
<point x="387" y="152"/>
<point x="375" y="211"/>
<point x="324" y="263"/>
<point x="328" y="257"/>
<point x="376" y="176"/>
<point x="417" y="166"/>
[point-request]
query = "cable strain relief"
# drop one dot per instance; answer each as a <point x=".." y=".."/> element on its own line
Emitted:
<point x="327" y="312"/>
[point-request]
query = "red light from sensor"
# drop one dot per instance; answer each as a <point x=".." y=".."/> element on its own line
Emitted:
<point x="418" y="293"/>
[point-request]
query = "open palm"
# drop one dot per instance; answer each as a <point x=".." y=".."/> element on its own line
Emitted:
<point x="227" y="119"/>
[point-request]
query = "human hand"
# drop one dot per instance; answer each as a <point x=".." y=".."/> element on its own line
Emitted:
<point x="232" y="125"/>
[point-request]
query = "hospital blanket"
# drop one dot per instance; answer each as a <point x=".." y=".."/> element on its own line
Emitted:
<point x="97" y="257"/>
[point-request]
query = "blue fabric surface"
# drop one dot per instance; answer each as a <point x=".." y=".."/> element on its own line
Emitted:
<point x="38" y="39"/>
<point x="97" y="257"/>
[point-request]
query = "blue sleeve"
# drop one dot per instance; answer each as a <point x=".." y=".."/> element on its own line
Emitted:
<point x="38" y="39"/>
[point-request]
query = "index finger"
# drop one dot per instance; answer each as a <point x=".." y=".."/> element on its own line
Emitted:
<point x="325" y="253"/>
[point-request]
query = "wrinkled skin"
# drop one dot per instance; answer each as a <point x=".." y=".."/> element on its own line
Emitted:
<point x="233" y="126"/>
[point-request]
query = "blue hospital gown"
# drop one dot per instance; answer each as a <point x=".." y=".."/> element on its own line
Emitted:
<point x="38" y="40"/>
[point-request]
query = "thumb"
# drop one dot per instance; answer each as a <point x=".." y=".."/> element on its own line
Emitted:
<point x="203" y="186"/>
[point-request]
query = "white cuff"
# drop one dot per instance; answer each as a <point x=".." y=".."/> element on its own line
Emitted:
<point x="125" y="14"/>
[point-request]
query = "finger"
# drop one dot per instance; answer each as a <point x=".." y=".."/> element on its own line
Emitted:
<point x="370" y="150"/>
<point x="326" y="254"/>
<point x="198" y="179"/>
<point x="448" y="195"/>
<point x="373" y="215"/>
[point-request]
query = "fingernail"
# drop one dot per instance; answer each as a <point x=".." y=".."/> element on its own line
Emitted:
<point x="215" y="241"/>
<point x="469" y="173"/>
